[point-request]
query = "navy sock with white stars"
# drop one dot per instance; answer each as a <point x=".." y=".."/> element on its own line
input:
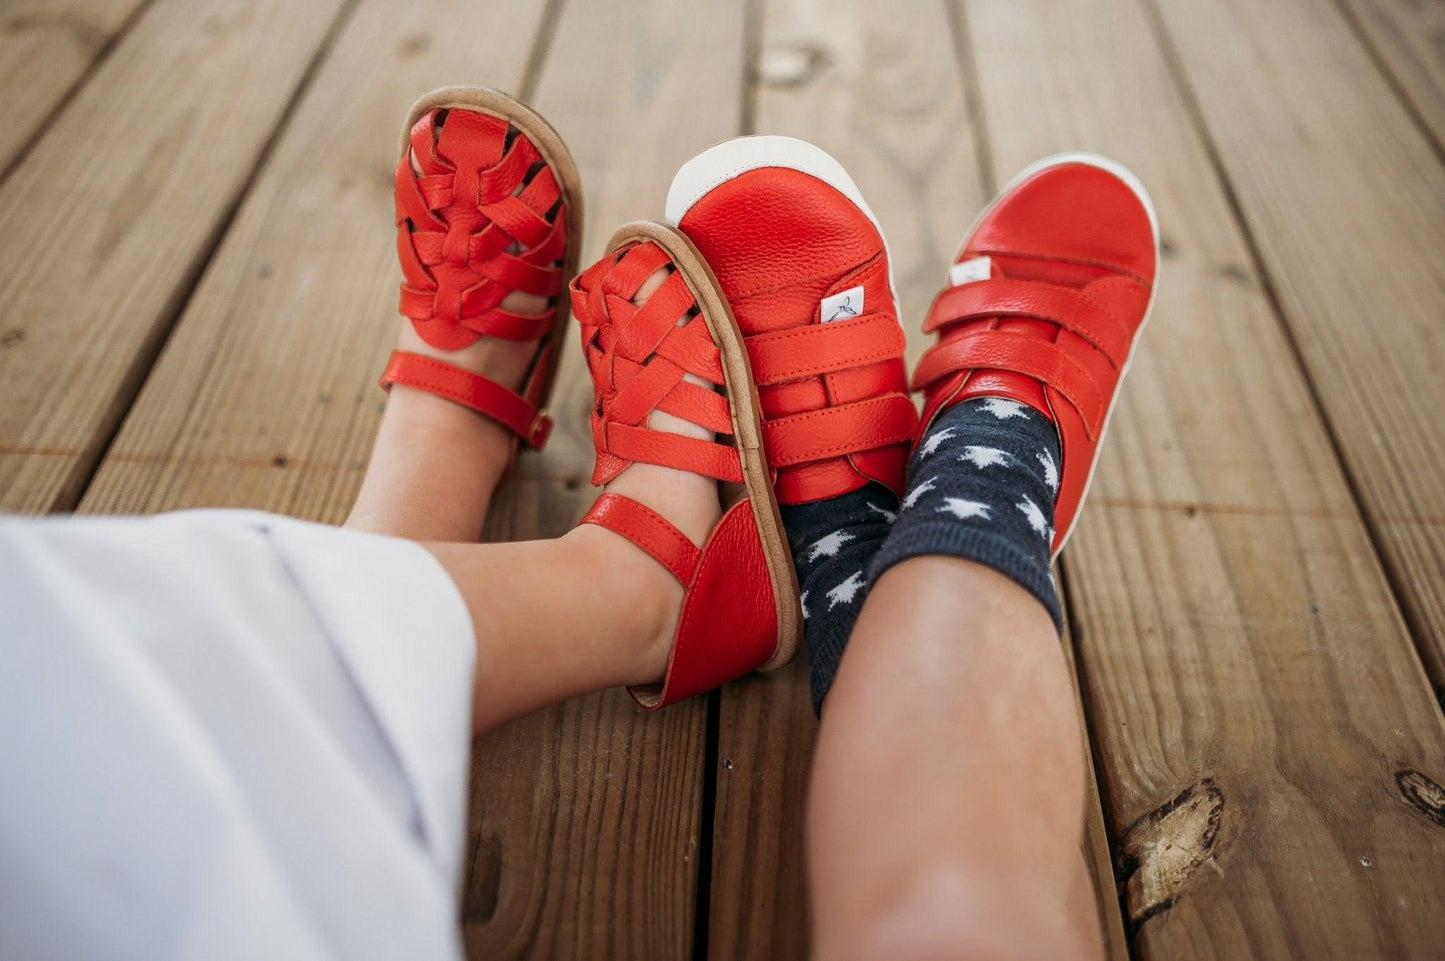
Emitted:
<point x="981" y="486"/>
<point x="833" y="543"/>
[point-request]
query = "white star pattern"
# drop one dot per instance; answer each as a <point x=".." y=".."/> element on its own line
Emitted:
<point x="930" y="444"/>
<point x="982" y="457"/>
<point x="1003" y="409"/>
<point x="803" y="603"/>
<point x="846" y="591"/>
<point x="964" y="509"/>
<point x="1051" y="470"/>
<point x="916" y="493"/>
<point x="829" y="546"/>
<point x="888" y="515"/>
<point x="1034" y="515"/>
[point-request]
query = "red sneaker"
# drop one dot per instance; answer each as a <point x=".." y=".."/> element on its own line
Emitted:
<point x="805" y="269"/>
<point x="497" y="207"/>
<point x="1046" y="302"/>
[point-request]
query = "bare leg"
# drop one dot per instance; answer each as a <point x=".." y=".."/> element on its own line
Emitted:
<point x="553" y="618"/>
<point x="435" y="464"/>
<point x="539" y="642"/>
<point x="945" y="811"/>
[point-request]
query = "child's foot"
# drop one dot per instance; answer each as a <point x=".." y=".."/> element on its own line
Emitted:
<point x="1047" y="298"/>
<point x="687" y="500"/>
<point x="805" y="268"/>
<point x="1046" y="301"/>
<point x="487" y="216"/>
<point x="671" y="377"/>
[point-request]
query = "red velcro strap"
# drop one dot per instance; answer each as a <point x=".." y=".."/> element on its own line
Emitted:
<point x="844" y="429"/>
<point x="505" y="406"/>
<point x="813" y="349"/>
<point x="1004" y="297"/>
<point x="1022" y="354"/>
<point x="649" y="530"/>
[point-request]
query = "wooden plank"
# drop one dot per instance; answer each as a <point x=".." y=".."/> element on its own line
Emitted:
<point x="105" y="223"/>
<point x="45" y="49"/>
<point x="266" y="397"/>
<point x="609" y="797"/>
<point x="1096" y="846"/>
<point x="1345" y="200"/>
<point x="1252" y="691"/>
<point x="878" y="87"/>
<point x="1408" y="41"/>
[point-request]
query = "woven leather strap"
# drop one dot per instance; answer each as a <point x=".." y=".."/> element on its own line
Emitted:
<point x="484" y="217"/>
<point x="505" y="406"/>
<point x="639" y="357"/>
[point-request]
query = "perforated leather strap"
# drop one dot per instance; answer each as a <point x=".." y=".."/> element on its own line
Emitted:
<point x="839" y="430"/>
<point x="1022" y="354"/>
<point x="1005" y="297"/>
<point x="649" y="530"/>
<point x="501" y="404"/>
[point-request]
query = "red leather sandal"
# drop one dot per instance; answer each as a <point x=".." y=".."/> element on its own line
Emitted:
<point x="740" y="608"/>
<point x="497" y="207"/>
<point x="1047" y="298"/>
<point x="805" y="268"/>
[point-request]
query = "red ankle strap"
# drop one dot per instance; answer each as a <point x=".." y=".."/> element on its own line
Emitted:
<point x="485" y="396"/>
<point x="649" y="530"/>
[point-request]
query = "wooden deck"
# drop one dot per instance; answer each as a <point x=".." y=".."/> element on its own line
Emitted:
<point x="197" y="281"/>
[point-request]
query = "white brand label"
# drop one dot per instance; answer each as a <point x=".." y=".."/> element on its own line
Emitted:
<point x="841" y="306"/>
<point x="973" y="269"/>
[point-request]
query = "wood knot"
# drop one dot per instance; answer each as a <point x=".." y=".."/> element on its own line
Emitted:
<point x="1423" y="794"/>
<point x="414" y="45"/>
<point x="1161" y="852"/>
<point x="790" y="64"/>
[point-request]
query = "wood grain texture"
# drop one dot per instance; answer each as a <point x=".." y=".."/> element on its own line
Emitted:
<point x="106" y="221"/>
<point x="1408" y="41"/>
<point x="636" y="89"/>
<point x="1345" y="199"/>
<point x="1096" y="847"/>
<point x="46" y="47"/>
<point x="266" y="397"/>
<point x="877" y="86"/>
<point x="602" y="800"/>
<point x="1252" y="690"/>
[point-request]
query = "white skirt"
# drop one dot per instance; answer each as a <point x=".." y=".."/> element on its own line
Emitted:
<point x="227" y="734"/>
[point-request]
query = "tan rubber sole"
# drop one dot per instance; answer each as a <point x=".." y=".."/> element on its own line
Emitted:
<point x="747" y="422"/>
<point x="556" y="155"/>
